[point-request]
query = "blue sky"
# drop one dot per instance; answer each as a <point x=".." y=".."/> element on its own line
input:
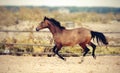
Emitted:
<point x="89" y="3"/>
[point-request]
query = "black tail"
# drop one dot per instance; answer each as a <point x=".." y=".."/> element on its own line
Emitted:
<point x="99" y="37"/>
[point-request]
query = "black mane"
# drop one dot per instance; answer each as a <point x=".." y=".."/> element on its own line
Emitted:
<point x="57" y="23"/>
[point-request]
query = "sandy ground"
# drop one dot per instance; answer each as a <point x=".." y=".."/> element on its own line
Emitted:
<point x="28" y="64"/>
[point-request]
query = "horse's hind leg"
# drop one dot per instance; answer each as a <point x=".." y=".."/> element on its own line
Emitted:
<point x="94" y="47"/>
<point x="86" y="50"/>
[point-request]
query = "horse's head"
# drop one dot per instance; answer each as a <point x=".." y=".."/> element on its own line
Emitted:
<point x="47" y="22"/>
<point x="43" y="24"/>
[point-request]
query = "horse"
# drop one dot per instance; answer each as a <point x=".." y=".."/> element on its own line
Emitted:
<point x="70" y="37"/>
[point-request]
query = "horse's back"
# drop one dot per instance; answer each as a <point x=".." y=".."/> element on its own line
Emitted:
<point x="82" y="31"/>
<point x="75" y="36"/>
<point x="78" y="32"/>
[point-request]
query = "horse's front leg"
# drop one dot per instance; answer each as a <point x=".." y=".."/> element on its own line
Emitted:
<point x="56" y="50"/>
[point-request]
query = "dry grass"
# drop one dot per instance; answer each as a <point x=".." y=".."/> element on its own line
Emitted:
<point x="10" y="17"/>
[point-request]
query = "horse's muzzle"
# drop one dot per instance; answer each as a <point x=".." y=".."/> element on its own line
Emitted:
<point x="37" y="29"/>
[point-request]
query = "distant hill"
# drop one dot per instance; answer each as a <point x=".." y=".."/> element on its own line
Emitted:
<point x="73" y="9"/>
<point x="87" y="9"/>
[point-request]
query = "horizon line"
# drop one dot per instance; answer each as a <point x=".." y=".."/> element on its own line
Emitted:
<point x="57" y="6"/>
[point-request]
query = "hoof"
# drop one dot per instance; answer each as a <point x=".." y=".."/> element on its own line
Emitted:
<point x="81" y="61"/>
<point x="94" y="57"/>
<point x="64" y="59"/>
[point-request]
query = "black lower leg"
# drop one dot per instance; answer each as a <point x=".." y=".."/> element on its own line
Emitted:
<point x="86" y="51"/>
<point x="57" y="52"/>
<point x="93" y="52"/>
<point x="60" y="56"/>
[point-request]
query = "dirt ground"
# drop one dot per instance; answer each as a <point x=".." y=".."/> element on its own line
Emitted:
<point x="28" y="64"/>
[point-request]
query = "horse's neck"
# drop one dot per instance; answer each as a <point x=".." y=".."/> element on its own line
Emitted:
<point x="54" y="29"/>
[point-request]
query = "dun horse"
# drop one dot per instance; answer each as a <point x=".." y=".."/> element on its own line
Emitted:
<point x="64" y="37"/>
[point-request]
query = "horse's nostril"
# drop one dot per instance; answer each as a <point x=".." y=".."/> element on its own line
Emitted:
<point x="37" y="29"/>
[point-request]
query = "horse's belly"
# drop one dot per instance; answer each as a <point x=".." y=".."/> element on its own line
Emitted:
<point x="69" y="43"/>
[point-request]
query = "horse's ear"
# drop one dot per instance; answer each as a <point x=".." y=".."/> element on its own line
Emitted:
<point x="45" y="18"/>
